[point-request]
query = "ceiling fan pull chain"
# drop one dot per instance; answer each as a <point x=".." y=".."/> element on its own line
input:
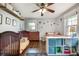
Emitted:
<point x="42" y="14"/>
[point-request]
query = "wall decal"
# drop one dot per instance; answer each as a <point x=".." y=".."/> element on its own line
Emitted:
<point x="76" y="12"/>
<point x="0" y="18"/>
<point x="51" y="24"/>
<point x="44" y="23"/>
<point x="8" y="21"/>
<point x="61" y="19"/>
<point x="39" y="22"/>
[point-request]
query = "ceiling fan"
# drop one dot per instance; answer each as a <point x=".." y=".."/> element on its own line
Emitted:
<point x="43" y="7"/>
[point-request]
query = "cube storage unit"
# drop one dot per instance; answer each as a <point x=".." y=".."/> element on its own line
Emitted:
<point x="61" y="45"/>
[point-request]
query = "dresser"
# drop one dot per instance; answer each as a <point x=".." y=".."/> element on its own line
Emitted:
<point x="33" y="35"/>
<point x="30" y="35"/>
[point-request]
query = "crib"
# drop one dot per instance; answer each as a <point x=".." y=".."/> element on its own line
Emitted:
<point x="12" y="43"/>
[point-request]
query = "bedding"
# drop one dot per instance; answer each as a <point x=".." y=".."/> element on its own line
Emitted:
<point x="53" y="34"/>
<point x="24" y="42"/>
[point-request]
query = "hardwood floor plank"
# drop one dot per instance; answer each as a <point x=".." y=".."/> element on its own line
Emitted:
<point x="39" y="45"/>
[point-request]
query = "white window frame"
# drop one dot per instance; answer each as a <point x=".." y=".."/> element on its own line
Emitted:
<point x="71" y="25"/>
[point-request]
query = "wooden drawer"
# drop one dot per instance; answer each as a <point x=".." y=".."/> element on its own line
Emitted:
<point x="34" y="36"/>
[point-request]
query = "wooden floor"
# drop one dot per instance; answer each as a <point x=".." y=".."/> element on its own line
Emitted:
<point x="40" y="45"/>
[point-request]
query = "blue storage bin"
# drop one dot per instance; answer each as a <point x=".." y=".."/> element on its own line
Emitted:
<point x="52" y="42"/>
<point x="74" y="41"/>
<point x="52" y="50"/>
<point x="59" y="41"/>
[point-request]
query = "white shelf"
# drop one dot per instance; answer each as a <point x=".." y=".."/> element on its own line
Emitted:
<point x="60" y="37"/>
<point x="61" y="45"/>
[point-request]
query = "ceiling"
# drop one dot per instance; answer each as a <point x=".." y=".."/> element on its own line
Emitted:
<point x="27" y="8"/>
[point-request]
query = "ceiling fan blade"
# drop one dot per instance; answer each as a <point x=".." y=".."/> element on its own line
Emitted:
<point x="37" y="5"/>
<point x="50" y="4"/>
<point x="35" y="10"/>
<point x="50" y="10"/>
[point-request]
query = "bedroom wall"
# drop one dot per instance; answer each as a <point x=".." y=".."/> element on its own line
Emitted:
<point x="72" y="11"/>
<point x="5" y="27"/>
<point x="44" y="25"/>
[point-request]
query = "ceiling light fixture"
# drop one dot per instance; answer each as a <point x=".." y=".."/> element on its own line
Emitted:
<point x="42" y="10"/>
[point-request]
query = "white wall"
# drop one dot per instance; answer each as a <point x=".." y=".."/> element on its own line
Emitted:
<point x="64" y="19"/>
<point x="68" y="13"/>
<point x="60" y="25"/>
<point x="6" y="27"/>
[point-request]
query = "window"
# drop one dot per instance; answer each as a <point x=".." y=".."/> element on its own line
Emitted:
<point x="31" y="26"/>
<point x="72" y="25"/>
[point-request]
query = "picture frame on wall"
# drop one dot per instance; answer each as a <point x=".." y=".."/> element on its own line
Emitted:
<point x="8" y="21"/>
<point x="14" y="22"/>
<point x="0" y="18"/>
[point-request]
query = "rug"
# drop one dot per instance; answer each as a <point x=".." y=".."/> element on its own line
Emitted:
<point x="34" y="52"/>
